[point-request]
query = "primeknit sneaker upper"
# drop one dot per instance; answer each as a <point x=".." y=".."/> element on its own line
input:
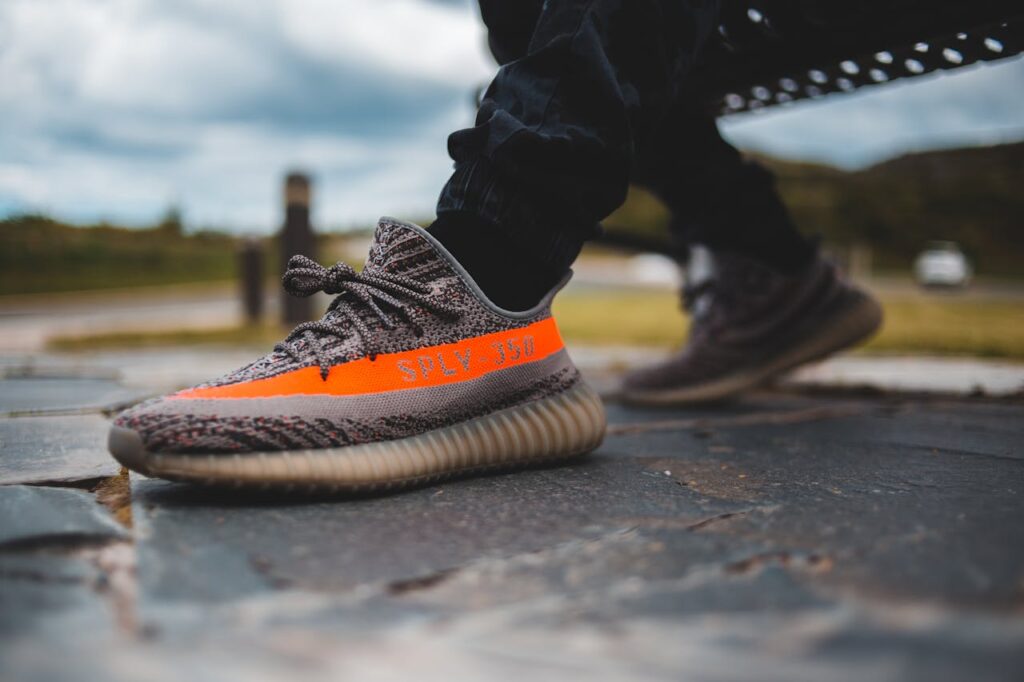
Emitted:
<point x="407" y="346"/>
<point x="750" y="323"/>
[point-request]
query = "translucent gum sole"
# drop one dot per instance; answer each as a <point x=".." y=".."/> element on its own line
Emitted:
<point x="545" y="431"/>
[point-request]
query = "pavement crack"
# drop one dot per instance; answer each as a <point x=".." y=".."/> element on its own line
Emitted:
<point x="32" y="370"/>
<point x="115" y="493"/>
<point x="265" y="568"/>
<point x="809" y="562"/>
<point x="117" y="564"/>
<point x="423" y="582"/>
<point x="40" y="577"/>
<point x="704" y="523"/>
<point x="108" y="410"/>
<point x="89" y="483"/>
<point x="755" y="419"/>
<point x="668" y="523"/>
<point x="55" y="412"/>
<point x="59" y="542"/>
<point x="958" y="451"/>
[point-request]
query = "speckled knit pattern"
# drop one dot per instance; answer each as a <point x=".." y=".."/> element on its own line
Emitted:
<point x="400" y="250"/>
<point x="188" y="433"/>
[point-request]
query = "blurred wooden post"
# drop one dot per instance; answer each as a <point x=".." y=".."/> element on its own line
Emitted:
<point x="296" y="238"/>
<point x="250" y="270"/>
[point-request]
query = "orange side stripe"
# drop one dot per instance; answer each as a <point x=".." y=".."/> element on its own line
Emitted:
<point x="431" y="366"/>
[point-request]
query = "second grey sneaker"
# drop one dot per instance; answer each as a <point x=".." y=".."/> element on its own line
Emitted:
<point x="749" y="324"/>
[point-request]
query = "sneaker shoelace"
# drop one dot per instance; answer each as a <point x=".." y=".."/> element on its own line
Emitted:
<point x="366" y="291"/>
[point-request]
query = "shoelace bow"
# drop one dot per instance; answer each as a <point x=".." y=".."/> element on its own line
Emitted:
<point x="305" y="277"/>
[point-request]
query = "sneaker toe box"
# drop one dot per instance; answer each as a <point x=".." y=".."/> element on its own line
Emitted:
<point x="166" y="425"/>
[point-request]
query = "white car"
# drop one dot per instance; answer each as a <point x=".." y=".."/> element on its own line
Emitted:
<point x="942" y="264"/>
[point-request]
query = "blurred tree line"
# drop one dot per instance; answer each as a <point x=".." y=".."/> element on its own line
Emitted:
<point x="973" y="196"/>
<point x="39" y="254"/>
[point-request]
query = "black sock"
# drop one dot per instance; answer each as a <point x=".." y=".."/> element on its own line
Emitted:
<point x="511" y="274"/>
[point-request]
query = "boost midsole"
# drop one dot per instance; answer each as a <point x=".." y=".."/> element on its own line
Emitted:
<point x="568" y="423"/>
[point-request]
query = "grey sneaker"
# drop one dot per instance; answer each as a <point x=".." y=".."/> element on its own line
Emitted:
<point x="412" y="375"/>
<point x="749" y="325"/>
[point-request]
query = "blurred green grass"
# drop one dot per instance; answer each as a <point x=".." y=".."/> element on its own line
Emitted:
<point x="971" y="196"/>
<point x="41" y="255"/>
<point x="915" y="323"/>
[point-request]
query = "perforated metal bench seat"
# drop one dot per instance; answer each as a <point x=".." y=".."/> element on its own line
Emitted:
<point x="773" y="52"/>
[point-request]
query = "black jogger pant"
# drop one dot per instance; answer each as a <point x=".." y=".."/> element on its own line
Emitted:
<point x="592" y="95"/>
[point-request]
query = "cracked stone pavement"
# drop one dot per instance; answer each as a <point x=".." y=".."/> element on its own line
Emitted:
<point x="788" y="536"/>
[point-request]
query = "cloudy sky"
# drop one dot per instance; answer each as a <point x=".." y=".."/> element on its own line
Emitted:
<point x="116" y="109"/>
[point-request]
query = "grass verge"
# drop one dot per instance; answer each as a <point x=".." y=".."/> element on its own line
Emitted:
<point x="914" y="323"/>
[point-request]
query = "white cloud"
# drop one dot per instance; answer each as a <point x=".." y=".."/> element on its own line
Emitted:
<point x="115" y="108"/>
<point x="408" y="38"/>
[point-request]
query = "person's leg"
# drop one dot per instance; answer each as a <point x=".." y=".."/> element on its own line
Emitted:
<point x="510" y="26"/>
<point x="555" y="137"/>
<point x="717" y="198"/>
<point x="761" y="300"/>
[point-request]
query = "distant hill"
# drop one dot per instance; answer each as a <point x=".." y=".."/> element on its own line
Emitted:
<point x="38" y="254"/>
<point x="974" y="196"/>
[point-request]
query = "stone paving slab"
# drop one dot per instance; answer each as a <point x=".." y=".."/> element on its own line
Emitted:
<point x="915" y="500"/>
<point x="705" y="625"/>
<point x="782" y="537"/>
<point x="62" y="564"/>
<point x="44" y="395"/>
<point x="36" y="515"/>
<point x="202" y="545"/>
<point x="55" y="449"/>
<point x="44" y="592"/>
<point x="147" y="370"/>
<point x="65" y="609"/>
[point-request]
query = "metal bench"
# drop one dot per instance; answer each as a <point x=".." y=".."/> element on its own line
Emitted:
<point x="775" y="52"/>
<point x="771" y="53"/>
